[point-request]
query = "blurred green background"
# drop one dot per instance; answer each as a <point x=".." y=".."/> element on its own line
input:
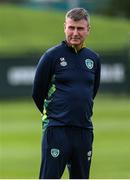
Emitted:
<point x="31" y="28"/>
<point x="24" y="30"/>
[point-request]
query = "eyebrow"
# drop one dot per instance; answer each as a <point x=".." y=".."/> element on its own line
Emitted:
<point x="78" y="27"/>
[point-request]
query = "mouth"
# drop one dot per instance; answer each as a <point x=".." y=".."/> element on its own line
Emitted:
<point x="75" y="39"/>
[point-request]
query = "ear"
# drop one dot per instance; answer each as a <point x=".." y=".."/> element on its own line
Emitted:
<point x="89" y="29"/>
<point x="64" y="26"/>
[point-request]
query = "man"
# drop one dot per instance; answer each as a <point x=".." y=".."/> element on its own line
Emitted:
<point x="65" y="85"/>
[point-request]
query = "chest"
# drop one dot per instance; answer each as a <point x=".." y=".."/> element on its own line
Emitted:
<point x="75" y="69"/>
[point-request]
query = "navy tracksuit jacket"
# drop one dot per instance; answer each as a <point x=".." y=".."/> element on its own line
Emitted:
<point x="65" y="85"/>
<point x="69" y="82"/>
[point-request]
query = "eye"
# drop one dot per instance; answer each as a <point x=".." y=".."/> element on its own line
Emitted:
<point x="80" y="28"/>
<point x="71" y="27"/>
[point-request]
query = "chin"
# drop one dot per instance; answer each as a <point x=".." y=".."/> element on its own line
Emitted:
<point x="75" y="43"/>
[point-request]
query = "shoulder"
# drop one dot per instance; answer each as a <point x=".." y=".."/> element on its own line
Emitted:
<point x="53" y="51"/>
<point x="92" y="53"/>
<point x="50" y="55"/>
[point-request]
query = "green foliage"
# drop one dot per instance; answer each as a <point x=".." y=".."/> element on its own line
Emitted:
<point x="25" y="30"/>
<point x="20" y="139"/>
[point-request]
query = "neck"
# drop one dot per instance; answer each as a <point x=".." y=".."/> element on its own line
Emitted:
<point x="76" y="47"/>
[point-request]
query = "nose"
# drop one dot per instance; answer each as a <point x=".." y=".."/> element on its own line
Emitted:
<point x="75" y="32"/>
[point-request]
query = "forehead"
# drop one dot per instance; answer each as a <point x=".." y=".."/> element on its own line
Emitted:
<point x="81" y="23"/>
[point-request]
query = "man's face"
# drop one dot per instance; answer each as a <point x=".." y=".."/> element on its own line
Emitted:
<point x="76" y="31"/>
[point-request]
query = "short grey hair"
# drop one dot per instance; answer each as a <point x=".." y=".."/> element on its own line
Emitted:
<point x="78" y="14"/>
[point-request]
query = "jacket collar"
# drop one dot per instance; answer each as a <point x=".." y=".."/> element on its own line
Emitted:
<point x="72" y="48"/>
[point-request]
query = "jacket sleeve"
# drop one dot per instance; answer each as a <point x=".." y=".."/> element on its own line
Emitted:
<point x="97" y="77"/>
<point x="42" y="79"/>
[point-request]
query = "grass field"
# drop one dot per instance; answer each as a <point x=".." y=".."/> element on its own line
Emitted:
<point x="26" y="30"/>
<point x="20" y="138"/>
